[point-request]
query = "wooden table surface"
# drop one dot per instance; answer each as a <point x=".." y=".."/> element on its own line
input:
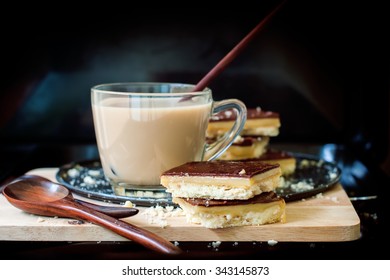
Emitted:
<point x="329" y="216"/>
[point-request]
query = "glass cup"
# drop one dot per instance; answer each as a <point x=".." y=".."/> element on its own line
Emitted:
<point x="144" y="129"/>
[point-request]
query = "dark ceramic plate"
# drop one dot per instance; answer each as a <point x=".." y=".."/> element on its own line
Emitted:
<point x="86" y="178"/>
<point x="312" y="176"/>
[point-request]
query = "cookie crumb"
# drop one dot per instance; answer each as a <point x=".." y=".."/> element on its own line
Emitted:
<point x="272" y="242"/>
<point x="158" y="214"/>
<point x="242" y="172"/>
<point x="128" y="204"/>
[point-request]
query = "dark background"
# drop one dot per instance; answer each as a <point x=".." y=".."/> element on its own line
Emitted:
<point x="323" y="65"/>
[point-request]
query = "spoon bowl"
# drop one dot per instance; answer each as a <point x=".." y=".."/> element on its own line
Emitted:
<point x="33" y="198"/>
<point x="56" y="200"/>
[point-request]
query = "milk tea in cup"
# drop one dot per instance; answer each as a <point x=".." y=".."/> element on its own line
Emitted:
<point x="144" y="129"/>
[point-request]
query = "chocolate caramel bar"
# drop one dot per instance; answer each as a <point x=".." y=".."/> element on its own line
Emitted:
<point x="286" y="161"/>
<point x="227" y="180"/>
<point x="259" y="122"/>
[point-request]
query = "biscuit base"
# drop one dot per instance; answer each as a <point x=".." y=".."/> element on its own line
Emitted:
<point x="234" y="215"/>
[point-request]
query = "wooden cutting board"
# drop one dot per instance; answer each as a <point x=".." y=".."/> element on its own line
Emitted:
<point x="327" y="217"/>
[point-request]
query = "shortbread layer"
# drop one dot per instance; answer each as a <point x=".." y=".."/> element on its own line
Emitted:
<point x="262" y="209"/>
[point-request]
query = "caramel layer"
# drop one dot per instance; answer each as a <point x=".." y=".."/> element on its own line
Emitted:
<point x="274" y="154"/>
<point x="265" y="197"/>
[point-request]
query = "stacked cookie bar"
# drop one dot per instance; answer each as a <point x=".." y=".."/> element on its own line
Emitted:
<point x="219" y="194"/>
<point x="253" y="142"/>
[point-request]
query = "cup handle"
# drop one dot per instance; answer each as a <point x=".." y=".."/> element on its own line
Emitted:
<point x="215" y="149"/>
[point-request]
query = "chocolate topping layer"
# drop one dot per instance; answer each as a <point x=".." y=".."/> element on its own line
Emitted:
<point x="246" y="140"/>
<point x="252" y="113"/>
<point x="265" y="197"/>
<point x="226" y="168"/>
<point x="274" y="154"/>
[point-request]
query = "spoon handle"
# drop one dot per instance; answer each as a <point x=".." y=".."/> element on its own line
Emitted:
<point x="142" y="236"/>
<point x="113" y="211"/>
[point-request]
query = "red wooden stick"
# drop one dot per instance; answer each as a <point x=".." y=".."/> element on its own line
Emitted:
<point x="234" y="52"/>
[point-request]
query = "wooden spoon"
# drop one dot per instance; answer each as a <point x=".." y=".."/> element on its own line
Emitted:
<point x="113" y="211"/>
<point x="56" y="200"/>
